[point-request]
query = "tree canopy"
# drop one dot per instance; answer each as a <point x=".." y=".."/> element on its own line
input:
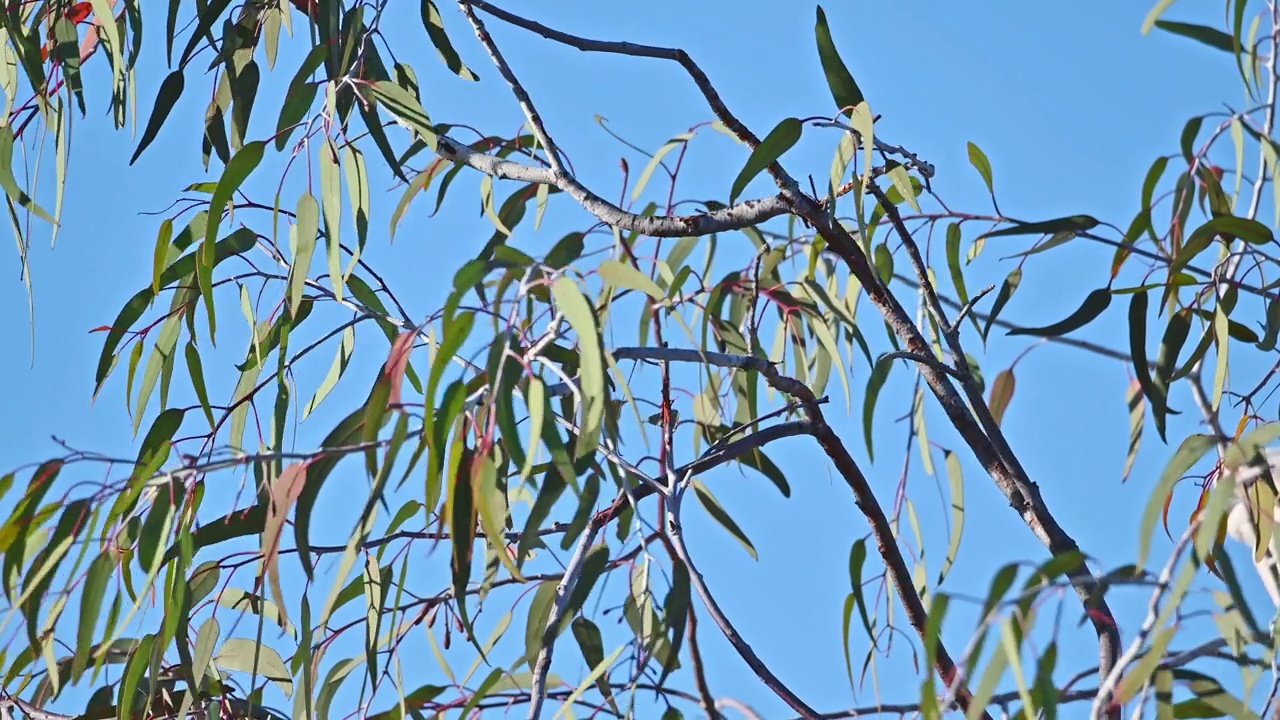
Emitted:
<point x="508" y="476"/>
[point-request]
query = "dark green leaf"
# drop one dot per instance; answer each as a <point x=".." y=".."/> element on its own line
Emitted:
<point x="844" y="90"/>
<point x="299" y="96"/>
<point x="718" y="513"/>
<point x="1212" y="37"/>
<point x="779" y="140"/>
<point x="434" y="26"/>
<point x="1091" y="308"/>
<point x="1155" y="393"/>
<point x="1074" y="223"/>
<point x="879" y="374"/>
<point x="170" y="91"/>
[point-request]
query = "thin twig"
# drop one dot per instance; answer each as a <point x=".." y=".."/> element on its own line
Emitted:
<point x="932" y="362"/>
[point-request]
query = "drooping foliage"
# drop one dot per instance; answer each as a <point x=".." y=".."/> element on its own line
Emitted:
<point x="492" y="512"/>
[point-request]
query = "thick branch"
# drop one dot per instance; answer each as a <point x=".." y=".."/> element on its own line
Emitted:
<point x="735" y="217"/>
<point x="974" y="422"/>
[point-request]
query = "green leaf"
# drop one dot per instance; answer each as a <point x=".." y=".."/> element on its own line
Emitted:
<point x="1251" y="231"/>
<point x="412" y="701"/>
<point x="196" y="370"/>
<point x="1007" y="289"/>
<point x="300" y="95"/>
<point x="879" y="374"/>
<point x="857" y="558"/>
<point x="135" y="667"/>
<point x="404" y="106"/>
<point x="307" y="229"/>
<point x="7" y="180"/>
<point x="1212" y="37"/>
<point x="238" y="654"/>
<point x="331" y="204"/>
<point x="92" y="593"/>
<point x="490" y="498"/>
<point x="357" y="177"/>
<point x="622" y="275"/>
<point x="1093" y="306"/>
<point x="1155" y="392"/>
<point x="233" y="175"/>
<point x="235" y="524"/>
<point x="1074" y="223"/>
<point x="979" y="161"/>
<point x="884" y="263"/>
<point x="536" y="624"/>
<point x="582" y="319"/>
<point x="566" y="250"/>
<point x="434" y="25"/>
<point x="780" y="139"/>
<point x="1192" y="449"/>
<point x="955" y="479"/>
<point x="166" y="98"/>
<point x="717" y="512"/>
<point x="591" y="643"/>
<point x="844" y="90"/>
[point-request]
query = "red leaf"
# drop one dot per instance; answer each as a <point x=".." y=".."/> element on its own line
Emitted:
<point x="396" y="363"/>
<point x="1001" y="394"/>
<point x="80" y="12"/>
<point x="284" y="493"/>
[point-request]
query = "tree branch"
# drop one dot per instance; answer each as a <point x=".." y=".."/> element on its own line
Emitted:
<point x="864" y="497"/>
<point x="984" y="436"/>
<point x="564" y="590"/>
<point x="676" y="533"/>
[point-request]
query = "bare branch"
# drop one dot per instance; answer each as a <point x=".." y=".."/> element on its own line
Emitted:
<point x="676" y="533"/>
<point x="735" y="217"/>
<point x="932" y="362"/>
<point x="31" y="711"/>
<point x="564" y="590"/>
<point x="982" y="435"/>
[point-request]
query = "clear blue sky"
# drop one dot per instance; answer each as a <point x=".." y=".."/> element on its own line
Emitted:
<point x="1069" y="101"/>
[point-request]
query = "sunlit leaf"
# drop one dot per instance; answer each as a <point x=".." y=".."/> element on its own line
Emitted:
<point x="247" y="656"/>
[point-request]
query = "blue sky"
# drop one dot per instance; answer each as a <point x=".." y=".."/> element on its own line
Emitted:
<point x="1069" y="101"/>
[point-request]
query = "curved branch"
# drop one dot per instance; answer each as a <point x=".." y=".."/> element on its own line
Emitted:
<point x="676" y="533"/>
<point x="564" y="590"/>
<point x="864" y="497"/>
<point x="734" y="217"/>
<point x="975" y="421"/>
